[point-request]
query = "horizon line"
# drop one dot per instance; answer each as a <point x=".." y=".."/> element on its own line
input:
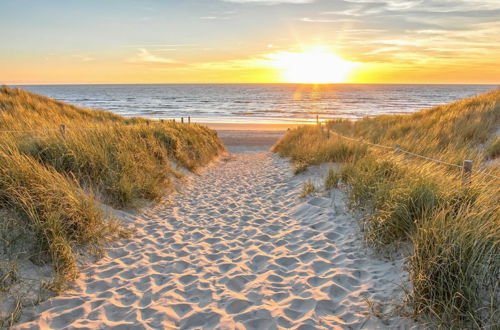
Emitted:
<point x="242" y="83"/>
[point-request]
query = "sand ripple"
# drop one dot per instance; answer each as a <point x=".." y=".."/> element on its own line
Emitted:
<point x="236" y="249"/>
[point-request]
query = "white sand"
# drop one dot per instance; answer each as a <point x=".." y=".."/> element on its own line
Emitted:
<point x="236" y="248"/>
<point x="242" y="141"/>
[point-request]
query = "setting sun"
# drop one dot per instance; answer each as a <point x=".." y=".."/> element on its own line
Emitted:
<point x="316" y="65"/>
<point x="232" y="163"/>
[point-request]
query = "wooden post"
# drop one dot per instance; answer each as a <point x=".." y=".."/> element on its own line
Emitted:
<point x="467" y="172"/>
<point x="397" y="149"/>
<point x="327" y="132"/>
<point x="182" y="119"/>
<point x="189" y="119"/>
<point x="62" y="130"/>
<point x="317" y="119"/>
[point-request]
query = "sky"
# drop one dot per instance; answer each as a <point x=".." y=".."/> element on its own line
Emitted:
<point x="249" y="41"/>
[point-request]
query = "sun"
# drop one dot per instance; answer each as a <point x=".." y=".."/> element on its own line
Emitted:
<point x="316" y="65"/>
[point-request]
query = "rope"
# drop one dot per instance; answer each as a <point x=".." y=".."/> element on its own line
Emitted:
<point x="361" y="141"/>
<point x="413" y="154"/>
<point x="487" y="174"/>
<point x="431" y="159"/>
<point x="338" y="134"/>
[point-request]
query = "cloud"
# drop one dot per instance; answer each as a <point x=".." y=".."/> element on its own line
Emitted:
<point x="473" y="43"/>
<point x="271" y="2"/>
<point x="390" y="4"/>
<point x="214" y="18"/>
<point x="230" y="65"/>
<point x="319" y="20"/>
<point x="427" y="6"/>
<point x="145" y="56"/>
<point x="84" y="58"/>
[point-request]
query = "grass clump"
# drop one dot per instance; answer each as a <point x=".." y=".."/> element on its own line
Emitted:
<point x="332" y="179"/>
<point x="398" y="195"/>
<point x="309" y="146"/>
<point x="59" y="212"/>
<point x="125" y="163"/>
<point x="455" y="267"/>
<point x="55" y="182"/>
<point x="307" y="189"/>
<point x="454" y="228"/>
<point x="368" y="176"/>
<point x="493" y="149"/>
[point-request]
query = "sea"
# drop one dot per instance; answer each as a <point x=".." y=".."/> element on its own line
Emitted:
<point x="258" y="103"/>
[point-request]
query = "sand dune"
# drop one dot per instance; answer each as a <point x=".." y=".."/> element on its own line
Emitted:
<point x="236" y="249"/>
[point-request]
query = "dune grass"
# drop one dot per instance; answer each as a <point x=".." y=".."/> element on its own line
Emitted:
<point x="56" y="182"/>
<point x="306" y="146"/>
<point x="465" y="129"/>
<point x="454" y="228"/>
<point x="307" y="188"/>
<point x="332" y="179"/>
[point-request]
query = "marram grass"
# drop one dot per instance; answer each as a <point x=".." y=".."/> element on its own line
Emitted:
<point x="454" y="228"/>
<point x="332" y="179"/>
<point x="307" y="188"/>
<point x="57" y="182"/>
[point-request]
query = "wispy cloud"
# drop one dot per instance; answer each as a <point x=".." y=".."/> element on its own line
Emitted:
<point x="231" y="64"/>
<point x="144" y="56"/>
<point x="214" y="18"/>
<point x="368" y="7"/>
<point x="271" y="2"/>
<point x="317" y="20"/>
<point x="84" y="58"/>
<point x="160" y="45"/>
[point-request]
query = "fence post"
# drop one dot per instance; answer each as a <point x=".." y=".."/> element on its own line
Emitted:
<point x="317" y="119"/>
<point x="327" y="132"/>
<point x="182" y="120"/>
<point x="467" y="172"/>
<point x="189" y="119"/>
<point x="62" y="130"/>
<point x="397" y="149"/>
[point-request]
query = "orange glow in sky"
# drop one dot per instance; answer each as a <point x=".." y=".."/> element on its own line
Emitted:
<point x="249" y="41"/>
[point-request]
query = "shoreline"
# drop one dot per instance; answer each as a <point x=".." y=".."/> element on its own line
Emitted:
<point x="221" y="126"/>
<point x="249" y="138"/>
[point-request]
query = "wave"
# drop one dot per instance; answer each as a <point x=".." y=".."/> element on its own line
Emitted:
<point x="257" y="102"/>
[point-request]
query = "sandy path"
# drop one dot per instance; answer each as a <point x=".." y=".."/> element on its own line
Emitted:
<point x="235" y="249"/>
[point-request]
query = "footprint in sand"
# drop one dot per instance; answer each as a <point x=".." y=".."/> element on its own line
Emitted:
<point x="235" y="249"/>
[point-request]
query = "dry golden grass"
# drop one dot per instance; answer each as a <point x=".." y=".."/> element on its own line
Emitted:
<point x="332" y="179"/>
<point x="309" y="146"/>
<point x="454" y="228"/>
<point x="307" y="188"/>
<point x="56" y="183"/>
<point x="465" y="129"/>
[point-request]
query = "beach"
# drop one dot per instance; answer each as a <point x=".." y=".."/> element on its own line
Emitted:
<point x="236" y="248"/>
<point x="249" y="138"/>
<point x="250" y="164"/>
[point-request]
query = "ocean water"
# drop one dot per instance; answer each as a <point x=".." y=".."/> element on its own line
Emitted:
<point x="240" y="103"/>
